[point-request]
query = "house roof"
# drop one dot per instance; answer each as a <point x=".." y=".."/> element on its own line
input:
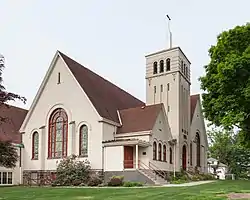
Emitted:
<point x="193" y="102"/>
<point x="211" y="160"/>
<point x="106" y="97"/>
<point x="139" y="118"/>
<point x="9" y="129"/>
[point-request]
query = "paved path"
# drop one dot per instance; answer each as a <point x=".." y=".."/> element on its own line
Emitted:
<point x="189" y="184"/>
<point x="148" y="186"/>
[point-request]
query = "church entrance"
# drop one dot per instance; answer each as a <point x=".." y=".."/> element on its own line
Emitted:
<point x="184" y="157"/>
<point x="128" y="157"/>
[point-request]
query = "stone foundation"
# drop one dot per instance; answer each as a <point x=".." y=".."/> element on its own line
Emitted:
<point x="42" y="177"/>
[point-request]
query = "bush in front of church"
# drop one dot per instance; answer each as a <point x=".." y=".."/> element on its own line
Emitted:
<point x="116" y="181"/>
<point x="71" y="171"/>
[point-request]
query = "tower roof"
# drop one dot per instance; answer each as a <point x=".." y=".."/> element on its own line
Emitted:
<point x="166" y="50"/>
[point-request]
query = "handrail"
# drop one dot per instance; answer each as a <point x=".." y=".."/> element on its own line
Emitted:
<point x="158" y="171"/>
<point x="146" y="167"/>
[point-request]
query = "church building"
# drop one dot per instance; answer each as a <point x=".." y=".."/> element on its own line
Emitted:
<point x="76" y="111"/>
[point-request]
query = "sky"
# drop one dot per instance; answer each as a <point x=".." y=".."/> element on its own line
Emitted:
<point x="110" y="37"/>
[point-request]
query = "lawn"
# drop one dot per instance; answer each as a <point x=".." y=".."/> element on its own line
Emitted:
<point x="206" y="191"/>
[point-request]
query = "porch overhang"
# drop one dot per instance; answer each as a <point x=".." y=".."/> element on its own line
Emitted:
<point x="128" y="142"/>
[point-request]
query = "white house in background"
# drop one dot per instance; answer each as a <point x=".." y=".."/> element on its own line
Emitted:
<point x="9" y="131"/>
<point x="215" y="167"/>
<point x="78" y="112"/>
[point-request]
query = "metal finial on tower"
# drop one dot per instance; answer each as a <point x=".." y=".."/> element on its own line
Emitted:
<point x="170" y="33"/>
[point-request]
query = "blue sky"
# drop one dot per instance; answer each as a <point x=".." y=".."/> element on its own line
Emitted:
<point x="110" y="37"/>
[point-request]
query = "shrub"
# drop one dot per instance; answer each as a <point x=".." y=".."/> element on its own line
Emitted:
<point x="116" y="181"/>
<point x="72" y="172"/>
<point x="94" y="180"/>
<point x="132" y="184"/>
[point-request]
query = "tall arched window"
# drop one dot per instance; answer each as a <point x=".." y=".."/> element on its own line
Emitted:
<point x="83" y="138"/>
<point x="159" y="152"/>
<point x="170" y="156"/>
<point x="58" y="134"/>
<point x="168" y="64"/>
<point x="154" y="150"/>
<point x="198" y="150"/>
<point x="164" y="153"/>
<point x="35" y="145"/>
<point x="191" y="154"/>
<point x="155" y="68"/>
<point x="161" y="66"/>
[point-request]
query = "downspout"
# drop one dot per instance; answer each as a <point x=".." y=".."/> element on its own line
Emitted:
<point x="174" y="159"/>
<point x="120" y="121"/>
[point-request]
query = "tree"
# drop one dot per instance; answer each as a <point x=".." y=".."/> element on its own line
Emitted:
<point x="8" y="154"/>
<point x="220" y="147"/>
<point x="226" y="83"/>
<point x="226" y="146"/>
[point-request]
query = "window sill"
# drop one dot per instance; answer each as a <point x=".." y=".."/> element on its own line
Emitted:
<point x="56" y="158"/>
<point x="34" y="158"/>
<point x="83" y="156"/>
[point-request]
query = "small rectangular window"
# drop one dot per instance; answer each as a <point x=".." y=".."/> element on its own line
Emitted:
<point x="161" y="88"/>
<point x="9" y="177"/>
<point x="155" y="89"/>
<point x="0" y="178"/>
<point x="4" y="178"/>
<point x="59" y="78"/>
<point x="168" y="86"/>
<point x="168" y="108"/>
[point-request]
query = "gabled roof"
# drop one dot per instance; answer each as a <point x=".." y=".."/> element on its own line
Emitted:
<point x="193" y="103"/>
<point x="9" y="129"/>
<point x="139" y="118"/>
<point x="106" y="97"/>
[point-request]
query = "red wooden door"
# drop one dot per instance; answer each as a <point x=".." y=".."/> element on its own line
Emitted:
<point x="184" y="157"/>
<point x="128" y="157"/>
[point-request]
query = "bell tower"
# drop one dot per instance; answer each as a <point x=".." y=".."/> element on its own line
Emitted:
<point x="168" y="82"/>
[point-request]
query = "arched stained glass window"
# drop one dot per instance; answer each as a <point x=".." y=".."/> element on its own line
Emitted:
<point x="58" y="134"/>
<point x="83" y="145"/>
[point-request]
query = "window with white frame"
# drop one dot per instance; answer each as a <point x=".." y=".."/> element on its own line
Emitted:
<point x="6" y="178"/>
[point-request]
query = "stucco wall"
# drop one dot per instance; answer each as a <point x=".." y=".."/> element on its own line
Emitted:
<point x="113" y="158"/>
<point x="161" y="134"/>
<point x="69" y="96"/>
<point x="108" y="131"/>
<point x="198" y="126"/>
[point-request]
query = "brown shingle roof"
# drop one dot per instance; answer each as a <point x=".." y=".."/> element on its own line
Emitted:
<point x="9" y="129"/>
<point x="106" y="97"/>
<point x="193" y="102"/>
<point x="139" y="118"/>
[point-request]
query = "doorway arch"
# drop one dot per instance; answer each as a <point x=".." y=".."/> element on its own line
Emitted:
<point x="184" y="157"/>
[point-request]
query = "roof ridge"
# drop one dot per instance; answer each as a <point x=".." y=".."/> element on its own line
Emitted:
<point x="105" y="96"/>
<point x="143" y="106"/>
<point x="99" y="76"/>
<point x="16" y="107"/>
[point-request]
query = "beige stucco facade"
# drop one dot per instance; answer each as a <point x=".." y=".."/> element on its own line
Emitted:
<point x="105" y="146"/>
<point x="67" y="95"/>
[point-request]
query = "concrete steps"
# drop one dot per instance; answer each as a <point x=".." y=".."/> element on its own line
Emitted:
<point x="153" y="176"/>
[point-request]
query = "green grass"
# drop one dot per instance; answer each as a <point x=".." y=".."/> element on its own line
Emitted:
<point x="206" y="191"/>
